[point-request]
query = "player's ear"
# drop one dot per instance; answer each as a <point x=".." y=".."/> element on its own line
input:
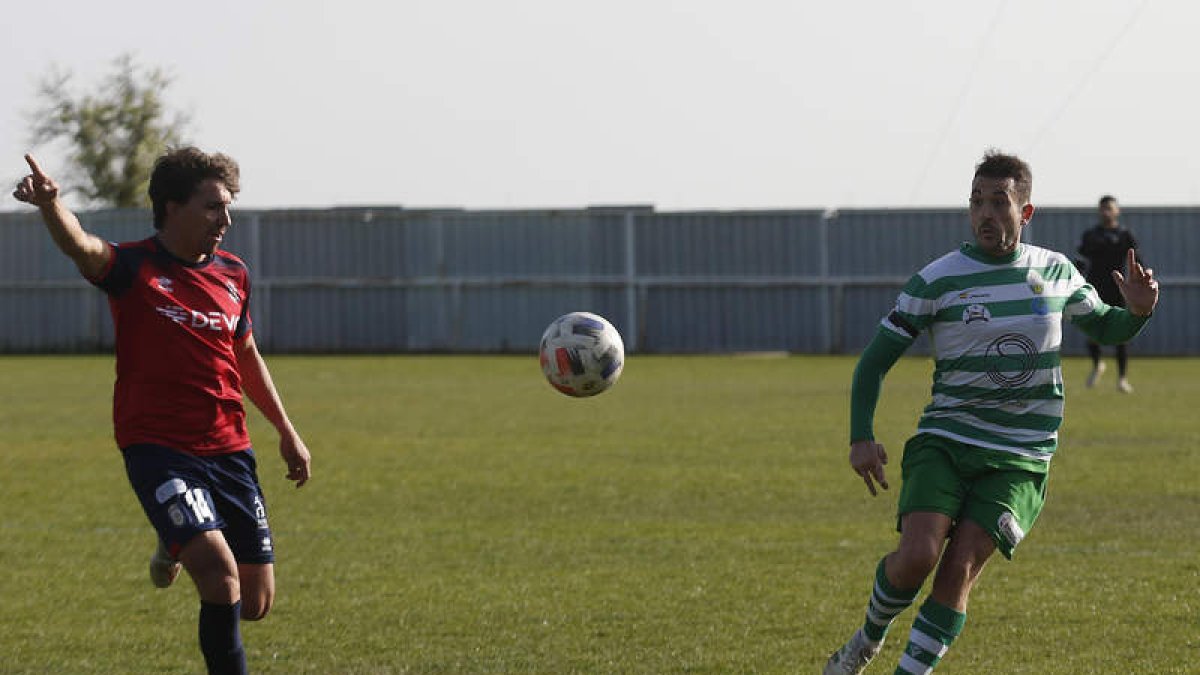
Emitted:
<point x="1027" y="213"/>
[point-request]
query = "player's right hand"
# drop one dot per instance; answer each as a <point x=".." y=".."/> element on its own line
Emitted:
<point x="37" y="188"/>
<point x="867" y="459"/>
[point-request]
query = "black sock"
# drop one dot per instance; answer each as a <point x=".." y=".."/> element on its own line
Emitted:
<point x="1122" y="360"/>
<point x="221" y="638"/>
<point x="1094" y="352"/>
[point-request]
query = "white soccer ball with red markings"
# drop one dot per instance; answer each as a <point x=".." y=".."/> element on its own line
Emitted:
<point x="581" y="354"/>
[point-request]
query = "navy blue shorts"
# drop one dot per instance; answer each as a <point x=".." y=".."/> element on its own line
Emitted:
<point x="184" y="495"/>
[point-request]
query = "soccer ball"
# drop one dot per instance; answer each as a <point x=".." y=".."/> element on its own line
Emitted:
<point x="581" y="354"/>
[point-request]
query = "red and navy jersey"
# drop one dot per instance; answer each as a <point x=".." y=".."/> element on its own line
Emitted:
<point x="176" y="326"/>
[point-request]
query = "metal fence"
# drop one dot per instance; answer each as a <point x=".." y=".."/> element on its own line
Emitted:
<point x="391" y="279"/>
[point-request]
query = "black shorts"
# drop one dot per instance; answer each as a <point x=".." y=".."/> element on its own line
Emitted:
<point x="184" y="495"/>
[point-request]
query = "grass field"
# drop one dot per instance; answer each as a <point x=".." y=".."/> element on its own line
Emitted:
<point x="699" y="518"/>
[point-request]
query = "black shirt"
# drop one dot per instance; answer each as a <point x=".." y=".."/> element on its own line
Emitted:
<point x="1105" y="249"/>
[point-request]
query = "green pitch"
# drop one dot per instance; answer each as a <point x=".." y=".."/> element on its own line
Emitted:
<point x="699" y="518"/>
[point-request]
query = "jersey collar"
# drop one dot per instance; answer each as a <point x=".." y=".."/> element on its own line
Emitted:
<point x="180" y="261"/>
<point x="973" y="252"/>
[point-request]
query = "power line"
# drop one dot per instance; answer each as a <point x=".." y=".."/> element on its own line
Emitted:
<point x="958" y="105"/>
<point x="1087" y="76"/>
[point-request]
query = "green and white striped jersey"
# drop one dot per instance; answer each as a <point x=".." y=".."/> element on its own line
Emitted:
<point x="996" y="328"/>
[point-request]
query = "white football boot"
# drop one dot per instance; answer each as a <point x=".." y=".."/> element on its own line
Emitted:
<point x="163" y="569"/>
<point x="853" y="657"/>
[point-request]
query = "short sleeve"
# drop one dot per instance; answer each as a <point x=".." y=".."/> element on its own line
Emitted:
<point x="118" y="276"/>
<point x="914" y="311"/>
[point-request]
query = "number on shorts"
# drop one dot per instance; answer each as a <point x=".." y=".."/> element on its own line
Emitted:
<point x="199" y="505"/>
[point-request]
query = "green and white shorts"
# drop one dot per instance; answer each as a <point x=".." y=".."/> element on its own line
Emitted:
<point x="942" y="475"/>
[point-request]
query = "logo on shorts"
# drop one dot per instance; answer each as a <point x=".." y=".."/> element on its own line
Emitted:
<point x="1010" y="529"/>
<point x="176" y="515"/>
<point x="169" y="489"/>
<point x="260" y="517"/>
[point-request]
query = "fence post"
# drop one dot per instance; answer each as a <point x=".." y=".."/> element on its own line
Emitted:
<point x="832" y="297"/>
<point x="630" y="282"/>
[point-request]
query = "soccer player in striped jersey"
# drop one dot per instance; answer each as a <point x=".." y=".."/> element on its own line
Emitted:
<point x="974" y="474"/>
<point x="185" y="356"/>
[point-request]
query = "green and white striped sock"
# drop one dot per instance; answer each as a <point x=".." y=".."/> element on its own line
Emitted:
<point x="886" y="603"/>
<point x="933" y="631"/>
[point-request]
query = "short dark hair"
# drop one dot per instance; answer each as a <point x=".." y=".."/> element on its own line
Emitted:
<point x="1107" y="199"/>
<point x="997" y="164"/>
<point x="177" y="174"/>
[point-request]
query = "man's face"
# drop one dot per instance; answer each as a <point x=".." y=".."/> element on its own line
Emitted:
<point x="1109" y="213"/>
<point x="200" y="223"/>
<point x="997" y="214"/>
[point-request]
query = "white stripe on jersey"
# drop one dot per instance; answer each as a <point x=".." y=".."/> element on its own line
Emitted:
<point x="966" y="378"/>
<point x="952" y="342"/>
<point x="913" y="305"/>
<point x="1061" y="288"/>
<point x="971" y="440"/>
<point x="1052" y="407"/>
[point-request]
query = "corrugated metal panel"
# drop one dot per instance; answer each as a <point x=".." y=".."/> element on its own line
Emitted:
<point x="513" y="319"/>
<point x="388" y="279"/>
<point x="733" y="320"/>
<point x="783" y="243"/>
<point x="26" y="249"/>
<point x="335" y="319"/>
<point x="328" y="244"/>
<point x="52" y="319"/>
<point x="893" y="242"/>
<point x="1167" y="237"/>
<point x="531" y="243"/>
<point x="864" y="307"/>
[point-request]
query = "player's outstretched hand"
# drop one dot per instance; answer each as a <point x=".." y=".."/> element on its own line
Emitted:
<point x="37" y="188"/>
<point x="295" y="455"/>
<point x="1140" y="289"/>
<point x="867" y="459"/>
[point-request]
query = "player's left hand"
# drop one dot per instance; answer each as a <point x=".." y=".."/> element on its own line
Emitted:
<point x="1140" y="289"/>
<point x="296" y="457"/>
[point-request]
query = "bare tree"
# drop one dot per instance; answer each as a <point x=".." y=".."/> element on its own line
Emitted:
<point x="114" y="132"/>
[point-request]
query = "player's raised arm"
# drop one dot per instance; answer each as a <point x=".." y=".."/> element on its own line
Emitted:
<point x="90" y="253"/>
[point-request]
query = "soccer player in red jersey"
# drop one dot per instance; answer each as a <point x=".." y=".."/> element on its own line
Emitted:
<point x="185" y="355"/>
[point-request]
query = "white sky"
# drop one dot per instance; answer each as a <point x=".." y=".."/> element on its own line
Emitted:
<point x="679" y="104"/>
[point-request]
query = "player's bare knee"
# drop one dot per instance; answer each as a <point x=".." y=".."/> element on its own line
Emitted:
<point x="221" y="589"/>
<point x="912" y="562"/>
<point x="255" y="609"/>
<point x="961" y="562"/>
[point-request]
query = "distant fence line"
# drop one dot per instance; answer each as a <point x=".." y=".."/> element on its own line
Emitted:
<point x="396" y="280"/>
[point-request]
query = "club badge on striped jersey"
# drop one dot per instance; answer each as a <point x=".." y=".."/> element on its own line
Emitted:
<point x="1036" y="283"/>
<point x="976" y="312"/>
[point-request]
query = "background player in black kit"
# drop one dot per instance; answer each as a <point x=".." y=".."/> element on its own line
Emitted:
<point x="1104" y="248"/>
